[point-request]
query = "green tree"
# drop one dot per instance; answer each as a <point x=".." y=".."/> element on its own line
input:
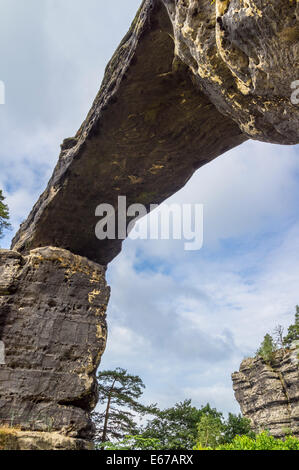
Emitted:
<point x="210" y="430"/>
<point x="177" y="427"/>
<point x="119" y="392"/>
<point x="4" y="215"/>
<point x="267" y="349"/>
<point x="236" y="425"/>
<point x="293" y="331"/>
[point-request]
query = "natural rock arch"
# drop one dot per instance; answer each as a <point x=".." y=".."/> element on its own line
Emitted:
<point x="184" y="86"/>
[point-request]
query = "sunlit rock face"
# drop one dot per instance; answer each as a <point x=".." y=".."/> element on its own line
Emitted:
<point x="268" y="394"/>
<point x="245" y="56"/>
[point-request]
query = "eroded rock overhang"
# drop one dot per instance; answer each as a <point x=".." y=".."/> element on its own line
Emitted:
<point x="187" y="83"/>
<point x="245" y="57"/>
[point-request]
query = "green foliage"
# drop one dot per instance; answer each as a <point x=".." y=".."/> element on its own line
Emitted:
<point x="177" y="427"/>
<point x="236" y="425"/>
<point x="267" y="349"/>
<point x="293" y="331"/>
<point x="262" y="441"/>
<point x="180" y="427"/>
<point x="269" y="346"/>
<point x="214" y="431"/>
<point x="4" y="215"/>
<point x="210" y="430"/>
<point x="119" y="392"/>
<point x="133" y="443"/>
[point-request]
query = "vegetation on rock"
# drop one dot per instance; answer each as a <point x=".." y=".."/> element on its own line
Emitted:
<point x="271" y="344"/>
<point x="293" y="331"/>
<point x="7" y="438"/>
<point x="267" y="349"/>
<point x="4" y="215"/>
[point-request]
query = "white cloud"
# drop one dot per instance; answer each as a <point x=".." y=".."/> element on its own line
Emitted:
<point x="203" y="313"/>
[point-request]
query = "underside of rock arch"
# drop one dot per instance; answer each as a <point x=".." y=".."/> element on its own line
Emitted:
<point x="191" y="80"/>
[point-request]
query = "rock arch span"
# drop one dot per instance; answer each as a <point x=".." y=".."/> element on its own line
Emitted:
<point x="190" y="80"/>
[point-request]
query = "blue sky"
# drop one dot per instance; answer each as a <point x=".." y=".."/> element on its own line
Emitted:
<point x="181" y="320"/>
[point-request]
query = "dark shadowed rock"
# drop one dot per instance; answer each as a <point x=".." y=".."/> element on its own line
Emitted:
<point x="53" y="326"/>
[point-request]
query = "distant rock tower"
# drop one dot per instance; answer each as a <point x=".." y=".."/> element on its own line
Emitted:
<point x="269" y="394"/>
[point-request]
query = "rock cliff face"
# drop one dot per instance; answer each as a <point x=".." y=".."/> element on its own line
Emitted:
<point x="53" y="326"/>
<point x="269" y="394"/>
<point x="191" y="80"/>
<point x="244" y="55"/>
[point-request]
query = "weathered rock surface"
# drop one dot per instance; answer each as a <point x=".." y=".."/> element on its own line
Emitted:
<point x="245" y="55"/>
<point x="269" y="394"/>
<point x="53" y="325"/>
<point x="13" y="439"/>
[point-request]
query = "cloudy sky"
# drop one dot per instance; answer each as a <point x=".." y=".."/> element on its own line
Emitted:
<point x="181" y="320"/>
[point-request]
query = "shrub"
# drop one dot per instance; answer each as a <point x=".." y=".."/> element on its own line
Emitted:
<point x="267" y="349"/>
<point x="262" y="441"/>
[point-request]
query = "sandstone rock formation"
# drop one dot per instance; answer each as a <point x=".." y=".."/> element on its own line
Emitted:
<point x="269" y="394"/>
<point x="160" y="113"/>
<point x="244" y="55"/>
<point x="149" y="129"/>
<point x="14" y="439"/>
<point x="191" y="80"/>
<point x="53" y="326"/>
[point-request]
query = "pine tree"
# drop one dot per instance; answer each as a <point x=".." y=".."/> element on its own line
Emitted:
<point x="293" y="331"/>
<point x="267" y="349"/>
<point x="176" y="428"/>
<point x="210" y="429"/>
<point x="119" y="392"/>
<point x="4" y="215"/>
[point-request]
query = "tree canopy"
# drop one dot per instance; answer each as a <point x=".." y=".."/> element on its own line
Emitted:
<point x="119" y="392"/>
<point x="182" y="425"/>
<point x="176" y="427"/>
<point x="270" y="345"/>
<point x="267" y="348"/>
<point x="4" y="215"/>
<point x="293" y="331"/>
